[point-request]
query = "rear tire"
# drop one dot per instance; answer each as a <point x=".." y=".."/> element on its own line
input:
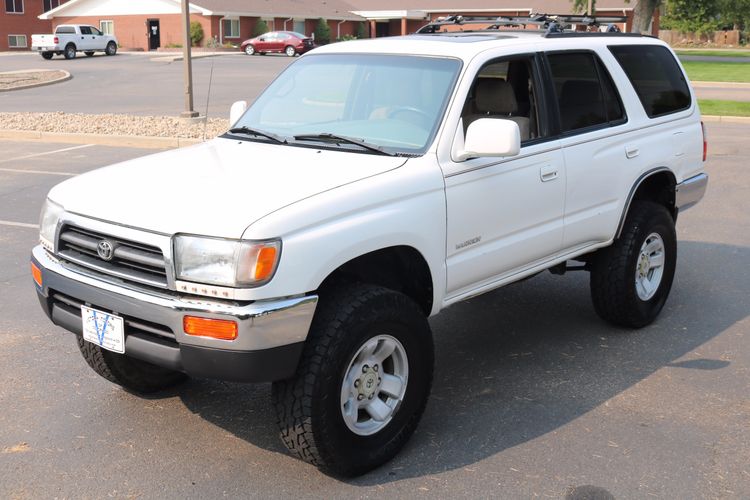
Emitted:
<point x="47" y="55"/>
<point x="111" y="49"/>
<point x="89" y="53"/>
<point x="289" y="50"/>
<point x="130" y="373"/>
<point x="70" y="51"/>
<point x="631" y="279"/>
<point x="319" y="410"/>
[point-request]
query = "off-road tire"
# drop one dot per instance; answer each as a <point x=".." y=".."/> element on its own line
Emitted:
<point x="89" y="53"/>
<point x="111" y="49"/>
<point x="308" y="407"/>
<point x="613" y="269"/>
<point x="70" y="51"/>
<point x="47" y="55"/>
<point x="130" y="373"/>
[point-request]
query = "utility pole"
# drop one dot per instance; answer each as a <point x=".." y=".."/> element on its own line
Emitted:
<point x="187" y="64"/>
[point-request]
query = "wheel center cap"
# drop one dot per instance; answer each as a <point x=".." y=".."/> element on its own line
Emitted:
<point x="644" y="265"/>
<point x="369" y="383"/>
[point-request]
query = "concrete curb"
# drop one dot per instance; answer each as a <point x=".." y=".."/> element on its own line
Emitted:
<point x="67" y="76"/>
<point x="726" y="119"/>
<point x="179" y="57"/>
<point x="130" y="141"/>
<point x="722" y="85"/>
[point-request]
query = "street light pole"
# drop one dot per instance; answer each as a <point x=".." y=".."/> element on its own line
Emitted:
<point x="187" y="63"/>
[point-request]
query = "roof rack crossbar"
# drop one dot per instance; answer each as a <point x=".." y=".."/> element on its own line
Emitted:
<point x="552" y="23"/>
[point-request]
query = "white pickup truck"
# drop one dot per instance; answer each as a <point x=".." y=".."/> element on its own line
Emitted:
<point x="69" y="39"/>
<point x="371" y="185"/>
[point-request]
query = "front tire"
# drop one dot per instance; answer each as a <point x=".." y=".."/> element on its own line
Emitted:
<point x="249" y="50"/>
<point x="47" y="55"/>
<point x="362" y="383"/>
<point x="130" y="373"/>
<point x="631" y="279"/>
<point x="289" y="50"/>
<point x="111" y="49"/>
<point x="70" y="51"/>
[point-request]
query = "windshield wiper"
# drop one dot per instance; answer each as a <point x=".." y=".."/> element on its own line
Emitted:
<point x="342" y="139"/>
<point x="258" y="133"/>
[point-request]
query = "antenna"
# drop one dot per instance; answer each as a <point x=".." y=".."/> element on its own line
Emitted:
<point x="208" y="98"/>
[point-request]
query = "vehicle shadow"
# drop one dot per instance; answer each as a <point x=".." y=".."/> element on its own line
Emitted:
<point x="524" y="360"/>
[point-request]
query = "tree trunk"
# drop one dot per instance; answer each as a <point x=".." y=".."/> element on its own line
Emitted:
<point x="643" y="12"/>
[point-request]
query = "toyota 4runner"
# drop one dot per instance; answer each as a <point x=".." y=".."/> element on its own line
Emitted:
<point x="371" y="185"/>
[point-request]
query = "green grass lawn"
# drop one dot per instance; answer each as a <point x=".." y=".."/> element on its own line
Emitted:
<point x="714" y="53"/>
<point x="699" y="71"/>
<point x="724" y="108"/>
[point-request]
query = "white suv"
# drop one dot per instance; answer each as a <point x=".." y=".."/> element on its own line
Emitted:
<point x="371" y="185"/>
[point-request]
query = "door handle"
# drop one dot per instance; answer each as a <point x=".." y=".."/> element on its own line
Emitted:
<point x="548" y="173"/>
<point x="632" y="151"/>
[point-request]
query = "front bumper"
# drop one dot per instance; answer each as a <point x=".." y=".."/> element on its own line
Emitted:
<point x="270" y="338"/>
<point x="690" y="191"/>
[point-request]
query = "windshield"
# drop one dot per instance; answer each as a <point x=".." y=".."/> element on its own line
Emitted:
<point x="391" y="101"/>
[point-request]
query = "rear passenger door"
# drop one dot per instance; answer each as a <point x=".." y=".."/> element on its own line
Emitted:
<point x="595" y="145"/>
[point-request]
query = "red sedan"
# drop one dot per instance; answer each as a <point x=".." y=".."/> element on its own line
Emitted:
<point x="289" y="42"/>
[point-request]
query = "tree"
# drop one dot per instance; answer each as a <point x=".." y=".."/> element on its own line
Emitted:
<point x="643" y="11"/>
<point x="196" y="33"/>
<point x="735" y="13"/>
<point x="322" y="32"/>
<point x="698" y="16"/>
<point x="260" y="28"/>
<point x="361" y="33"/>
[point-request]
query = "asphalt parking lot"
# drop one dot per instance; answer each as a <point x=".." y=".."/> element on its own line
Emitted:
<point x="534" y="396"/>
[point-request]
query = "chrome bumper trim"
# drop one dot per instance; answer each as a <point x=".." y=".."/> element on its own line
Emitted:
<point x="690" y="191"/>
<point x="262" y="324"/>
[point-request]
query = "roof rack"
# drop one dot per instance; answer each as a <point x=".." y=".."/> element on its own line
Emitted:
<point x="551" y="24"/>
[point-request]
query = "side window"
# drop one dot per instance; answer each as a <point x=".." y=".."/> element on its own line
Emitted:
<point x="655" y="76"/>
<point x="95" y="31"/>
<point x="508" y="89"/>
<point x="586" y="96"/>
<point x="85" y="30"/>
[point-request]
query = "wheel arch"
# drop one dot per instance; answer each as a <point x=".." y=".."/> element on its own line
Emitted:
<point x="658" y="185"/>
<point x="401" y="268"/>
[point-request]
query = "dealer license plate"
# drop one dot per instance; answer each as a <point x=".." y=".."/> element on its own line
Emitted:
<point x="103" y="329"/>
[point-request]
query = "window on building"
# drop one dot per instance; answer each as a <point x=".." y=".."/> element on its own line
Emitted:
<point x="586" y="96"/>
<point x="655" y="76"/>
<point x="299" y="26"/>
<point x="231" y="28"/>
<point x="107" y="27"/>
<point x="17" y="41"/>
<point x="51" y="4"/>
<point x="14" y="6"/>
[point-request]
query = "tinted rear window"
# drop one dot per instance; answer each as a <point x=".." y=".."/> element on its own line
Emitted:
<point x="65" y="29"/>
<point x="656" y="77"/>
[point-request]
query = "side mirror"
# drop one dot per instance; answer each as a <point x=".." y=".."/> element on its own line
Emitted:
<point x="236" y="111"/>
<point x="490" y="137"/>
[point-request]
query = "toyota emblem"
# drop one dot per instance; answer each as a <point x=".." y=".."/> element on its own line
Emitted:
<point x="105" y="249"/>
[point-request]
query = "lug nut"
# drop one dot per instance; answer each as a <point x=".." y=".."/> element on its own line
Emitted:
<point x="370" y="396"/>
<point x="365" y="368"/>
<point x="360" y="397"/>
<point x="356" y="383"/>
<point x="375" y="367"/>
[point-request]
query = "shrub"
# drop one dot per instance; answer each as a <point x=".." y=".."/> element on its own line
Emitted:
<point x="213" y="43"/>
<point x="346" y="38"/>
<point x="361" y="32"/>
<point x="260" y="28"/>
<point x="196" y="33"/>
<point x="322" y="32"/>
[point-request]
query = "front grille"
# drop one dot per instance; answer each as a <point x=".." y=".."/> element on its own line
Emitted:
<point x="130" y="261"/>
<point x="132" y="325"/>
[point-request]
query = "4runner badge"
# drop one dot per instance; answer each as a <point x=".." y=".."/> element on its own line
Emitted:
<point x="468" y="242"/>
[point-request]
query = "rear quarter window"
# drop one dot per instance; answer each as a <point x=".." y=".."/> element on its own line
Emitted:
<point x="655" y="76"/>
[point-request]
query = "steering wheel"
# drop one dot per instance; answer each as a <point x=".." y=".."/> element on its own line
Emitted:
<point x="419" y="117"/>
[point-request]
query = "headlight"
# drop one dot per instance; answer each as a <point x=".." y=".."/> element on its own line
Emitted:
<point x="222" y="262"/>
<point x="48" y="219"/>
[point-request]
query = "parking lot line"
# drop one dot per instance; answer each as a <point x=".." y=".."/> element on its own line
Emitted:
<point x="46" y="153"/>
<point x="42" y="172"/>
<point x="18" y="224"/>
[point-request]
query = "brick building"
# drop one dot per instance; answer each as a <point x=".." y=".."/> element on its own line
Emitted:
<point x="19" y="19"/>
<point x="150" y="24"/>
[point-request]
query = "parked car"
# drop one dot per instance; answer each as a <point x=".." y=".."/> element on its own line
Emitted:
<point x="370" y="186"/>
<point x="69" y="39"/>
<point x="290" y="43"/>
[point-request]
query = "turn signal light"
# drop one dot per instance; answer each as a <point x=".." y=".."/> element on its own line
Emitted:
<point x="36" y="273"/>
<point x="222" y="329"/>
<point x="266" y="262"/>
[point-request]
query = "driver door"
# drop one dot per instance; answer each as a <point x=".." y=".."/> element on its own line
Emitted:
<point x="505" y="215"/>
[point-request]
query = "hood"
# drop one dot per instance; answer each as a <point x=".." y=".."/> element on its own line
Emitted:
<point x="217" y="188"/>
